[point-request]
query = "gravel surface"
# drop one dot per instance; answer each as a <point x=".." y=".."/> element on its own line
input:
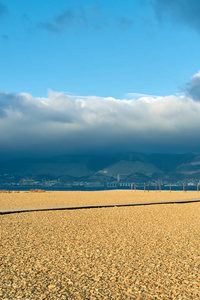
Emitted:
<point x="67" y="198"/>
<point x="144" y="252"/>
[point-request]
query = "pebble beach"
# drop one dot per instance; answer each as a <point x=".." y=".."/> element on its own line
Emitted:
<point x="143" y="252"/>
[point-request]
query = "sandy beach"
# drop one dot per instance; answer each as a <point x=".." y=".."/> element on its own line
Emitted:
<point x="25" y="199"/>
<point x="146" y="252"/>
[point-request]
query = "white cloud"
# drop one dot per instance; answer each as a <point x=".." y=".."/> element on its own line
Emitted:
<point x="193" y="87"/>
<point x="138" y="95"/>
<point x="63" y="123"/>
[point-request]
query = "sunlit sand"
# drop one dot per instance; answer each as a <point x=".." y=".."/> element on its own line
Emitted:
<point x="67" y="198"/>
<point x="143" y="252"/>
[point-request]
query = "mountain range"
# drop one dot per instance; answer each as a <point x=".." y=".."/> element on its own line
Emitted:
<point x="103" y="169"/>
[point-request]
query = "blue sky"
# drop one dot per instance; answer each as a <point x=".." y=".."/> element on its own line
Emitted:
<point x="104" y="48"/>
<point x="58" y="54"/>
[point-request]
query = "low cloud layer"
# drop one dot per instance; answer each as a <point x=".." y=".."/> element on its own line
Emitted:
<point x="73" y="124"/>
<point x="179" y="11"/>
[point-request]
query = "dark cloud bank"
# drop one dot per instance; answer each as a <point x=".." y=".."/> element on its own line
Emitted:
<point x="71" y="124"/>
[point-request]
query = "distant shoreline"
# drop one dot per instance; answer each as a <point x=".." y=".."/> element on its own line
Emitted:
<point x="84" y="188"/>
